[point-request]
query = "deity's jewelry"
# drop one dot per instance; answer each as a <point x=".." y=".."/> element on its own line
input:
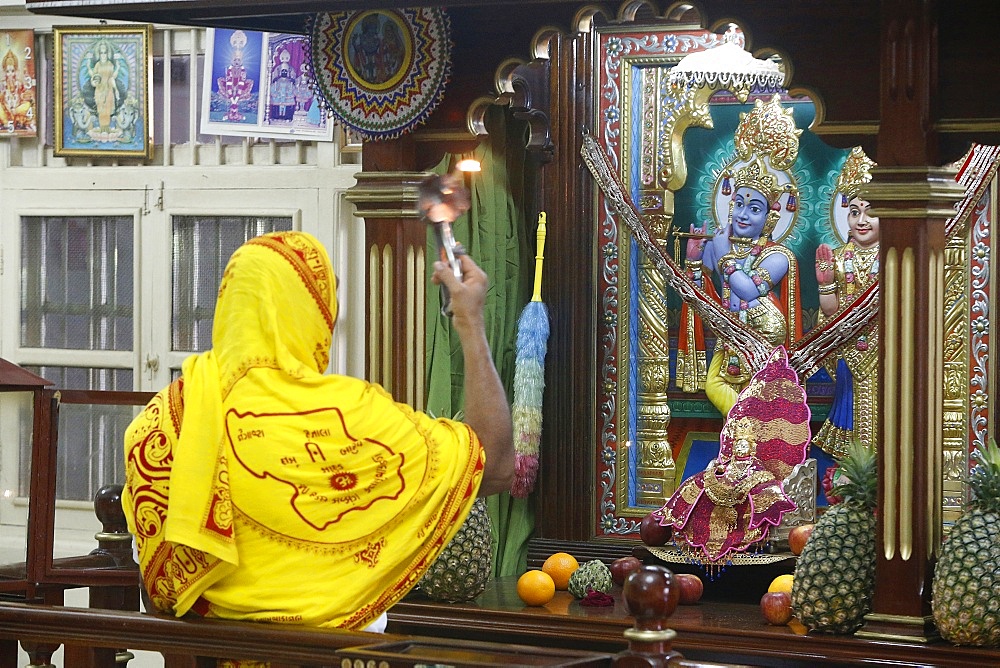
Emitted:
<point x="735" y="484"/>
<point x="762" y="278"/>
<point x="740" y="249"/>
<point x="855" y="259"/>
<point x="865" y="256"/>
<point x="827" y="289"/>
<point x="823" y="265"/>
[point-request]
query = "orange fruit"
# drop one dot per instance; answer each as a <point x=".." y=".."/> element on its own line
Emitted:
<point x="536" y="588"/>
<point x="560" y="566"/>
<point x="782" y="583"/>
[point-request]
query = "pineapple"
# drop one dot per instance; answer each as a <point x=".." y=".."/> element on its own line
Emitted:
<point x="965" y="598"/>
<point x="465" y="565"/>
<point x="835" y="574"/>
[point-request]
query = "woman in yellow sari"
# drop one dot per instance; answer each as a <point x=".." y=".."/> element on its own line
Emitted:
<point x="259" y="488"/>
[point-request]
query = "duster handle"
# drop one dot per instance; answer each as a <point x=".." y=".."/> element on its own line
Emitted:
<point x="536" y="296"/>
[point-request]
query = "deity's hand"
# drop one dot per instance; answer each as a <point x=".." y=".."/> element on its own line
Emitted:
<point x="695" y="246"/>
<point x="721" y="239"/>
<point x="824" y="265"/>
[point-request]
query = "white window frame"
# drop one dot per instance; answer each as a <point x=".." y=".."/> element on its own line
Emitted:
<point x="254" y="192"/>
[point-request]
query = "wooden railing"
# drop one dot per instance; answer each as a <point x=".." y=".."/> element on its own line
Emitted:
<point x="94" y="638"/>
<point x="32" y="614"/>
<point x="100" y="636"/>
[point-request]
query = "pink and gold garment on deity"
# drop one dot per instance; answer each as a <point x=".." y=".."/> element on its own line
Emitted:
<point x="727" y="507"/>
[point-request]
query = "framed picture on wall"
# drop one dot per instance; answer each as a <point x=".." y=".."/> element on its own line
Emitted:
<point x="350" y="139"/>
<point x="102" y="89"/>
<point x="260" y="84"/>
<point x="18" y="100"/>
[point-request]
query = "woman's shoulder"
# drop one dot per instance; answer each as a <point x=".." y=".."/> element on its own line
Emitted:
<point x="163" y="412"/>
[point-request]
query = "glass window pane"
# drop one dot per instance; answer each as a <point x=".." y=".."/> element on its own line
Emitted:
<point x="201" y="248"/>
<point x="16" y="411"/>
<point x="89" y="453"/>
<point x="76" y="282"/>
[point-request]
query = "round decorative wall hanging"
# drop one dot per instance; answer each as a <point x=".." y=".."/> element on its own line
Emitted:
<point x="381" y="72"/>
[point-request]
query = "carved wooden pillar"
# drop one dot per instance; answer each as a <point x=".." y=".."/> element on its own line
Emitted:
<point x="913" y="201"/>
<point x="913" y="204"/>
<point x="115" y="541"/>
<point x="567" y="196"/>
<point x="395" y="270"/>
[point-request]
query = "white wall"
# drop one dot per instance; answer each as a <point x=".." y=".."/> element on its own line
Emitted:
<point x="192" y="174"/>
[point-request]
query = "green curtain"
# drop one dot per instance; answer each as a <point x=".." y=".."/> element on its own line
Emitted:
<point x="498" y="236"/>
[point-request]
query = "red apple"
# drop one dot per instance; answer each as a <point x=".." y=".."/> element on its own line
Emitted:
<point x="798" y="536"/>
<point x="776" y="607"/>
<point x="652" y="533"/>
<point x="622" y="568"/>
<point x="691" y="588"/>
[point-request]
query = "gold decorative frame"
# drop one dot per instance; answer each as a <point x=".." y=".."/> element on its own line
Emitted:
<point x="656" y="171"/>
<point x="970" y="296"/>
<point x="94" y="116"/>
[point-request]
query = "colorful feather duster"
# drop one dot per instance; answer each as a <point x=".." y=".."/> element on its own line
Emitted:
<point x="529" y="378"/>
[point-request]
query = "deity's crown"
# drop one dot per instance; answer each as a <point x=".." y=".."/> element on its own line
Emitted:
<point x="768" y="131"/>
<point x="756" y="175"/>
<point x="854" y="174"/>
<point x="238" y="40"/>
<point x="10" y="60"/>
<point x="767" y="142"/>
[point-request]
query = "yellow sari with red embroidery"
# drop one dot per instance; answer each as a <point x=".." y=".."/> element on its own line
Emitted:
<point x="258" y="488"/>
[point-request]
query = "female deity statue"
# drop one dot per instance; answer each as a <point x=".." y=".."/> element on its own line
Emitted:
<point x="728" y="507"/>
<point x="842" y="275"/>
<point x="759" y="276"/>
<point x="103" y="72"/>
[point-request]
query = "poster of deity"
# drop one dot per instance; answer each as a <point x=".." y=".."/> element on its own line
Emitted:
<point x="18" y="104"/>
<point x="261" y="85"/>
<point x="102" y="90"/>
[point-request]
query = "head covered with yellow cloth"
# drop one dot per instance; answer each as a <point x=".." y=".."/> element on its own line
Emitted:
<point x="259" y="488"/>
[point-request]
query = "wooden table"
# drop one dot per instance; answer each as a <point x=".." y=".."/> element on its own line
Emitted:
<point x="716" y="631"/>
